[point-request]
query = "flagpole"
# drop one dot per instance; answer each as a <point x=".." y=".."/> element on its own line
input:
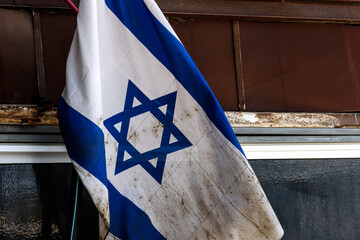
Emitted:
<point x="72" y="5"/>
<point x="74" y="202"/>
<point x="76" y="193"/>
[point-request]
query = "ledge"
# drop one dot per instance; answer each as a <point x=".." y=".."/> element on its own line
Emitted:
<point x="293" y="120"/>
<point x="27" y="115"/>
<point x="33" y="115"/>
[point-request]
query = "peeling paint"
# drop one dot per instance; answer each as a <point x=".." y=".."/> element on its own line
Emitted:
<point x="297" y="120"/>
<point x="251" y="118"/>
<point x="27" y="115"/>
<point x="33" y="115"/>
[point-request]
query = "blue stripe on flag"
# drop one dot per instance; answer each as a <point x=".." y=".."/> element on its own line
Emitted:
<point x="128" y="221"/>
<point x="84" y="141"/>
<point x="135" y="15"/>
<point x="85" y="144"/>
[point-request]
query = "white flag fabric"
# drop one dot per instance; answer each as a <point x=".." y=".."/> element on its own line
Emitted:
<point x="147" y="136"/>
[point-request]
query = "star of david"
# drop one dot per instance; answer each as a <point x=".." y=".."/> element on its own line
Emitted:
<point x="172" y="138"/>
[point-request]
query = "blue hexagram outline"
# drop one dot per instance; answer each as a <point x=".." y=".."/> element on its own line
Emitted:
<point x="166" y="120"/>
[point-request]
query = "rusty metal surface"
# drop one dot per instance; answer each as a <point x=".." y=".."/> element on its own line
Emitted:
<point x="57" y="29"/>
<point x="39" y="53"/>
<point x="209" y="43"/>
<point x="294" y="120"/>
<point x="32" y="115"/>
<point x="238" y="65"/>
<point x="17" y="58"/>
<point x="28" y="115"/>
<point x="47" y="4"/>
<point x="320" y="11"/>
<point x="6" y="1"/>
<point x="51" y="3"/>
<point x="331" y="11"/>
<point x="39" y="3"/>
<point x="298" y="67"/>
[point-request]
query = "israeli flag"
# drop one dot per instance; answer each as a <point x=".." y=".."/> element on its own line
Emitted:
<point x="147" y="136"/>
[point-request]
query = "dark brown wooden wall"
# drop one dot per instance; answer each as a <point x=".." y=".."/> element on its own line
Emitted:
<point x="256" y="56"/>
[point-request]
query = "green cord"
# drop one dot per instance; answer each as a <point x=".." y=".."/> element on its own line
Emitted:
<point x="75" y="206"/>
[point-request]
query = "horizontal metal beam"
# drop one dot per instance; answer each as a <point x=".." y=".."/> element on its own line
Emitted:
<point x="52" y="4"/>
<point x="343" y="12"/>
<point x="8" y="128"/>
<point x="297" y="131"/>
<point x="297" y="139"/>
<point x="316" y="11"/>
<point x="32" y="148"/>
<point x="12" y="153"/>
<point x="42" y="138"/>
<point x="56" y="153"/>
<point x="31" y="138"/>
<point x="303" y="131"/>
<point x="302" y="151"/>
<point x="51" y="134"/>
<point x="57" y="138"/>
